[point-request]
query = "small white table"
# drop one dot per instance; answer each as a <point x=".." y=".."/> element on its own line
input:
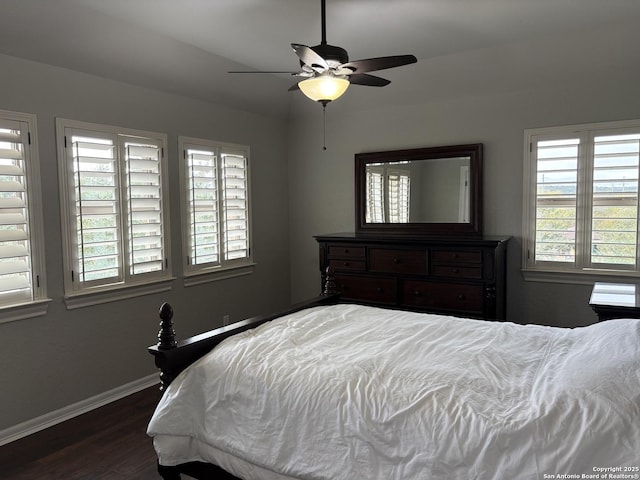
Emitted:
<point x="615" y="300"/>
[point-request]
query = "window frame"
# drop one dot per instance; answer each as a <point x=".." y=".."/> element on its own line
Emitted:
<point x="77" y="295"/>
<point x="39" y="303"/>
<point x="584" y="271"/>
<point x="224" y="268"/>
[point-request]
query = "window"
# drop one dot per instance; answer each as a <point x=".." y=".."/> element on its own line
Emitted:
<point x="581" y="199"/>
<point x="216" y="207"/>
<point x="114" y="198"/>
<point x="22" y="275"/>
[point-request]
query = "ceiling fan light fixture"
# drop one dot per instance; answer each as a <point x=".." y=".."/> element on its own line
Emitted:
<point x="324" y="88"/>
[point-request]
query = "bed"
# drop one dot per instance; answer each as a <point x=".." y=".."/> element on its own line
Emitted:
<point x="335" y="391"/>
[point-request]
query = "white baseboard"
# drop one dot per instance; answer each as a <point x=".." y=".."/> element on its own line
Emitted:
<point x="58" y="416"/>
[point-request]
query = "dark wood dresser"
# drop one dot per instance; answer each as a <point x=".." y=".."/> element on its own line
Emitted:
<point x="456" y="276"/>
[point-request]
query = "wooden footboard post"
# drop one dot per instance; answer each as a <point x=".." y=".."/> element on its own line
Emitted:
<point x="166" y="335"/>
<point x="166" y="341"/>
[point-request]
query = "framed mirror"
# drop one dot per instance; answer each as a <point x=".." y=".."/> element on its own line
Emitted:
<point x="431" y="191"/>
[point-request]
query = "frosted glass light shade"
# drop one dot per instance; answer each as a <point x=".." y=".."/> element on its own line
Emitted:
<point x="324" y="88"/>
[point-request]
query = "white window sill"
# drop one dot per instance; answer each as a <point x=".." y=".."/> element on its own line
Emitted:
<point x="217" y="273"/>
<point x="37" y="308"/>
<point x="582" y="277"/>
<point x="120" y="292"/>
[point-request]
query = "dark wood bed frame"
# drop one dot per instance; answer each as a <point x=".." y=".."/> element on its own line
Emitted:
<point x="172" y="357"/>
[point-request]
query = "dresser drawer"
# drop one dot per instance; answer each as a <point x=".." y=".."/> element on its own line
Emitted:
<point x="347" y="264"/>
<point x="456" y="256"/>
<point x="442" y="296"/>
<point x="346" y="251"/>
<point x="457" y="271"/>
<point x="370" y="289"/>
<point x="398" y="261"/>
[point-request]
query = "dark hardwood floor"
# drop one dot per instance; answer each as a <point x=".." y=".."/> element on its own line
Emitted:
<point x="109" y="443"/>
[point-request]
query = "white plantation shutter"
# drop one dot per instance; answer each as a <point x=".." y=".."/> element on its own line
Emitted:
<point x="202" y="187"/>
<point x="216" y="205"/>
<point x="144" y="207"/>
<point x="581" y="198"/>
<point x="614" y="220"/>
<point x="556" y="199"/>
<point x="235" y="206"/>
<point x="16" y="276"/>
<point x="96" y="209"/>
<point x="114" y="200"/>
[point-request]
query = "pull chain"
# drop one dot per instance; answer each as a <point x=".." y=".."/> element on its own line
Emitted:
<point x="324" y="127"/>
<point x="324" y="123"/>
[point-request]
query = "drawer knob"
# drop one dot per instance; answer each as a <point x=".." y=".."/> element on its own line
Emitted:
<point x="345" y="264"/>
<point x="461" y="297"/>
<point x="396" y="261"/>
<point x="456" y="270"/>
<point x="379" y="290"/>
<point x="417" y="293"/>
<point x="346" y="250"/>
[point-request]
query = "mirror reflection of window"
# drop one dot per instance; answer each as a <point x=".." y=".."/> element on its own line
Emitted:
<point x="463" y="205"/>
<point x="375" y="195"/>
<point x="388" y="194"/>
<point x="398" y="184"/>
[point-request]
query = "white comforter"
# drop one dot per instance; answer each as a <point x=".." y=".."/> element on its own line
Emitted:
<point x="352" y="392"/>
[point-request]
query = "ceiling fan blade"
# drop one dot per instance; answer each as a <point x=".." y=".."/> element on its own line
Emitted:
<point x="264" y="71"/>
<point x="309" y="57"/>
<point x="380" y="63"/>
<point x="368" y="80"/>
<point x="294" y="87"/>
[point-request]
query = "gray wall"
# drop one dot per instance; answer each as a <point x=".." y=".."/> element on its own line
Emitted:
<point x="590" y="77"/>
<point x="70" y="355"/>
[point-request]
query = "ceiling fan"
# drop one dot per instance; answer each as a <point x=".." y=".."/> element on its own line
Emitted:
<point x="327" y="71"/>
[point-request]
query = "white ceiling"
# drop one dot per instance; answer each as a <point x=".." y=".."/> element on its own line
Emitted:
<point x="188" y="46"/>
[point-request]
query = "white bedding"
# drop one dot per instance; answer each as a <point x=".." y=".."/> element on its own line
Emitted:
<point x="353" y="392"/>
